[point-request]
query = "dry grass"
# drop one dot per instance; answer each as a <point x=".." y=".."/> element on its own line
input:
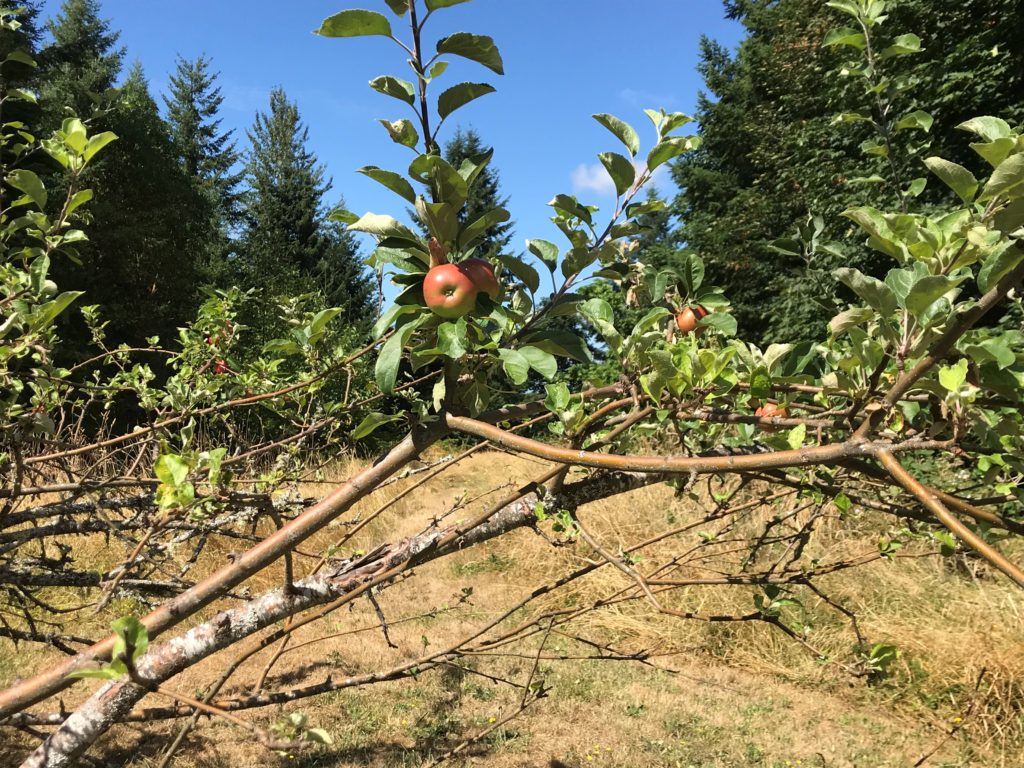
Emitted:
<point x="724" y="695"/>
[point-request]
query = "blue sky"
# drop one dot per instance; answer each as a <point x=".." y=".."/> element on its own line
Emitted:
<point x="564" y="60"/>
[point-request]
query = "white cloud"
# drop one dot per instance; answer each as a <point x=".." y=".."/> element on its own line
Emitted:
<point x="594" y="179"/>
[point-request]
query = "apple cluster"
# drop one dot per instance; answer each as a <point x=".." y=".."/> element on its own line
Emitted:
<point x="450" y="290"/>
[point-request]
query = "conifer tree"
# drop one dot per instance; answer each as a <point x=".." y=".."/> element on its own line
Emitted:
<point x="288" y="248"/>
<point x="207" y="154"/>
<point x="208" y="157"/>
<point x="81" y="62"/>
<point x="140" y="263"/>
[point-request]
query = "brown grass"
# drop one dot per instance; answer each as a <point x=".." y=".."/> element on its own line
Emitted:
<point x="715" y="695"/>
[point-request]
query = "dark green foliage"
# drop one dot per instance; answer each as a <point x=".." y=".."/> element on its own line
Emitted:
<point x="288" y="248"/>
<point x="771" y="156"/>
<point x="208" y="158"/>
<point x="140" y="264"/>
<point x="81" y="62"/>
<point x="15" y="74"/>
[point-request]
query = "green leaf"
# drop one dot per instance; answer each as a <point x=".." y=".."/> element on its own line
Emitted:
<point x="927" y="291"/>
<point x="372" y="422"/>
<point x="401" y="132"/>
<point x="954" y="176"/>
<point x="988" y="128"/>
<point x="849" y="318"/>
<point x="845" y="36"/>
<point x="561" y="343"/>
<point x="451" y="339"/>
<point x="620" y="169"/>
<point x="390" y="357"/>
<point x="96" y="143"/>
<point x="667" y="149"/>
<point x="322" y="318"/>
<point x="388" y="318"/>
<point x="52" y="309"/>
<point x="437" y="70"/>
<point x="447" y="183"/>
<point x="79" y="199"/>
<point x="599" y="313"/>
<point x="133" y="633"/>
<point x="394" y="87"/>
<point x="383" y="226"/>
<point x="881" y="236"/>
<point x="577" y="260"/>
<point x="797" y="435"/>
<point x="433" y="5"/>
<point x="722" y="322"/>
<point x="171" y="469"/>
<point x="622" y="130"/>
<point x="516" y="366"/>
<point x="952" y="377"/>
<point x="691" y="273"/>
<point x="398" y="7"/>
<point x="918" y="120"/>
<point x="318" y="735"/>
<point x="459" y="95"/>
<point x="355" y="23"/>
<point x="545" y="251"/>
<point x="21" y="57"/>
<point x="478" y="228"/>
<point x="28" y="182"/>
<point x="901" y="46"/>
<point x="570" y="206"/>
<point x="541" y="361"/>
<point x="1006" y="181"/>
<point x="478" y="48"/>
<point x="877" y="294"/>
<point x="998" y="265"/>
<point x="393" y="181"/>
<point x="527" y="274"/>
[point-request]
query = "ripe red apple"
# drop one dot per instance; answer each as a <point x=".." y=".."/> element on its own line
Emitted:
<point x="688" y="317"/>
<point x="449" y="291"/>
<point x="771" y="410"/>
<point x="481" y="273"/>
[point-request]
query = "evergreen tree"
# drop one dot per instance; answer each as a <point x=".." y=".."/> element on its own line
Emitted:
<point x="16" y="74"/>
<point x="288" y="248"/>
<point x="771" y="157"/>
<point x="139" y="264"/>
<point x="80" y="64"/>
<point x="207" y="156"/>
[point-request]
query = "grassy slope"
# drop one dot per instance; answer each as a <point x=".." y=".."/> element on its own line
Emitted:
<point x="714" y="696"/>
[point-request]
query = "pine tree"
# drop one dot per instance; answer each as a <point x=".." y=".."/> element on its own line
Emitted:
<point x="207" y="156"/>
<point x="80" y="64"/>
<point x="139" y="265"/>
<point x="15" y="73"/>
<point x="287" y="248"/>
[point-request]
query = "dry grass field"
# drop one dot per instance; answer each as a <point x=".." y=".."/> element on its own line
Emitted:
<point x="710" y="695"/>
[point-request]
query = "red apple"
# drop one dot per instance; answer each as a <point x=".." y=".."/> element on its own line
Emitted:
<point x="688" y="317"/>
<point x="449" y="291"/>
<point x="481" y="273"/>
<point x="771" y="411"/>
